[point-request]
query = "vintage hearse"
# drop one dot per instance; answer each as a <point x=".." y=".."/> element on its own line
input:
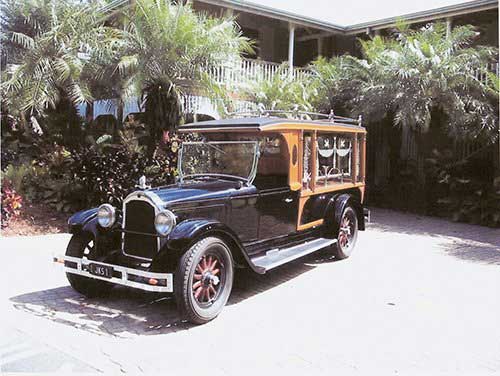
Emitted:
<point x="255" y="192"/>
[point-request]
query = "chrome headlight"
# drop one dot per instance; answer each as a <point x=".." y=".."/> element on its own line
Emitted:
<point x="164" y="222"/>
<point x="106" y="215"/>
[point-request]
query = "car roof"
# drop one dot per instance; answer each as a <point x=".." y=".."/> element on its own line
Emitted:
<point x="266" y="123"/>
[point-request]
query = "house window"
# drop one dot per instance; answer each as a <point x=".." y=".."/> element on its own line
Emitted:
<point x="334" y="158"/>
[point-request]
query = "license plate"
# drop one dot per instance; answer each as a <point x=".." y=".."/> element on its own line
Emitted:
<point x="101" y="270"/>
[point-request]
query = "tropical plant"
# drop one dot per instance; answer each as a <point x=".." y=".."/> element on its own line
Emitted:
<point x="167" y="47"/>
<point x="415" y="76"/>
<point x="282" y="92"/>
<point x="49" y="44"/>
<point x="459" y="193"/>
<point x="15" y="175"/>
<point x="332" y="83"/>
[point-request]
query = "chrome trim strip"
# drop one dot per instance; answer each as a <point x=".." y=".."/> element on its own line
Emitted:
<point x="124" y="281"/>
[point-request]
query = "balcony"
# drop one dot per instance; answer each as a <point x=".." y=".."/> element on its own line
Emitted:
<point x="233" y="75"/>
<point x="243" y="71"/>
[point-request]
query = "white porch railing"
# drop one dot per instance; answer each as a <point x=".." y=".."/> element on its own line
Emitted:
<point x="196" y="104"/>
<point x="191" y="104"/>
<point x="250" y="70"/>
<point x="234" y="75"/>
<point x="492" y="67"/>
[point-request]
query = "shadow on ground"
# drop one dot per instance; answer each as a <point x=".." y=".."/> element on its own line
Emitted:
<point x="128" y="312"/>
<point x="482" y="253"/>
<point x="464" y="241"/>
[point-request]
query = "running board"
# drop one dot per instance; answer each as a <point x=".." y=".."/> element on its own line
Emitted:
<point x="276" y="257"/>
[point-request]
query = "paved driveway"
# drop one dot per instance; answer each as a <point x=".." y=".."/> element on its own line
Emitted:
<point x="419" y="296"/>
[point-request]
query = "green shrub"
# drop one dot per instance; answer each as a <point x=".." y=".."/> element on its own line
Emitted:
<point x="109" y="175"/>
<point x="16" y="175"/>
<point x="455" y="192"/>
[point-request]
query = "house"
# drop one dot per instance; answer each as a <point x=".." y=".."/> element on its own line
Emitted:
<point x="297" y="33"/>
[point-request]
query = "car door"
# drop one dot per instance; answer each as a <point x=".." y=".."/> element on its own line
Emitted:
<point x="277" y="210"/>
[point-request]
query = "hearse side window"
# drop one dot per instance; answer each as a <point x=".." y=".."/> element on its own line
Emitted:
<point x="272" y="169"/>
<point x="307" y="161"/>
<point x="334" y="158"/>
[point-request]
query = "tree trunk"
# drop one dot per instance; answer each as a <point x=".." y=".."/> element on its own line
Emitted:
<point x="162" y="112"/>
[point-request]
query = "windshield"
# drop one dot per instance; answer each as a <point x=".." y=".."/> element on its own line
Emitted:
<point x="230" y="158"/>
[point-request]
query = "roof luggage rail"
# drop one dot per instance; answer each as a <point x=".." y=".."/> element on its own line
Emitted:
<point x="298" y="115"/>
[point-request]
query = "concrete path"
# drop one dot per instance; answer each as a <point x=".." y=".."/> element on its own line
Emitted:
<point x="418" y="296"/>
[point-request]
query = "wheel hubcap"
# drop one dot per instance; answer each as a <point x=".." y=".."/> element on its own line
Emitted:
<point x="206" y="279"/>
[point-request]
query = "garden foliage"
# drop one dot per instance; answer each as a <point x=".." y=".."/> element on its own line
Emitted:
<point x="63" y="53"/>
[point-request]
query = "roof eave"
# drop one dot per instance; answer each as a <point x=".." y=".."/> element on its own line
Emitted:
<point x="427" y="15"/>
<point x="247" y="6"/>
<point x="423" y="16"/>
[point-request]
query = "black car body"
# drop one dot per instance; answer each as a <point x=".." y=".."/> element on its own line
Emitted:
<point x="284" y="189"/>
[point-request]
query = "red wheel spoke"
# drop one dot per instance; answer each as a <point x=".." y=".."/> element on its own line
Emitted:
<point x="198" y="292"/>
<point x="342" y="239"/>
<point x="207" y="272"/>
<point x="212" y="290"/>
<point x="213" y="265"/>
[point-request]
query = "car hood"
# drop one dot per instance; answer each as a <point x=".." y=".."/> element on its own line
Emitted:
<point x="197" y="190"/>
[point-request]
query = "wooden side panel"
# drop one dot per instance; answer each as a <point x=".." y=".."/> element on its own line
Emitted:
<point x="292" y="141"/>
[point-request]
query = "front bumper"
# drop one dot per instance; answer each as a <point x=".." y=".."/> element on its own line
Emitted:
<point x="137" y="279"/>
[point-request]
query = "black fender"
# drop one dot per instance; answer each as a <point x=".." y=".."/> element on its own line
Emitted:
<point x="334" y="210"/>
<point x="86" y="221"/>
<point x="188" y="232"/>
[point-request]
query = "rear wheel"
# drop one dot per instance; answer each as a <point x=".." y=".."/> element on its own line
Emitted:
<point x="204" y="280"/>
<point x="82" y="246"/>
<point x="347" y="235"/>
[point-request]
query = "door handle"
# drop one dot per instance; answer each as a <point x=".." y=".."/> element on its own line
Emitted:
<point x="288" y="200"/>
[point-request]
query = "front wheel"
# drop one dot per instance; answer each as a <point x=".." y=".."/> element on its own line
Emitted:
<point x="347" y="235"/>
<point x="204" y="280"/>
<point x="82" y="246"/>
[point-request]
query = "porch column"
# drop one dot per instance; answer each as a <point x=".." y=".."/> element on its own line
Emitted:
<point x="369" y="32"/>
<point x="291" y="43"/>
<point x="320" y="46"/>
<point x="449" y="25"/>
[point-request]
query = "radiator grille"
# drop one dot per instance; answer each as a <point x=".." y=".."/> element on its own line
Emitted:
<point x="139" y="217"/>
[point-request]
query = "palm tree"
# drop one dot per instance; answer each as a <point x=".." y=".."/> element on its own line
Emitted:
<point x="49" y="45"/>
<point x="334" y="87"/>
<point x="417" y="76"/>
<point x="282" y="91"/>
<point x="166" y="50"/>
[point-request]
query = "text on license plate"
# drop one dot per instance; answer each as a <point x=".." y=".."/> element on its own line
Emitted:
<point x="101" y="270"/>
